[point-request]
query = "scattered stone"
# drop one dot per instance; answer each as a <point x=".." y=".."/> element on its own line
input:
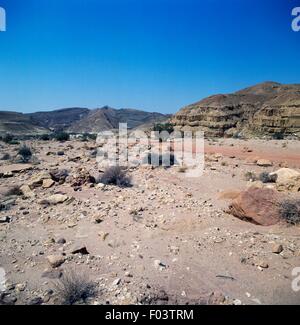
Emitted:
<point x="116" y="282"/>
<point x="47" y="183"/>
<point x="27" y="192"/>
<point x="263" y="265"/>
<point x="55" y="199"/>
<point x="80" y="250"/>
<point x="5" y="219"/>
<point x="61" y="241"/>
<point x="37" y="180"/>
<point x="36" y="301"/>
<point x="264" y="163"/>
<point x="56" y="260"/>
<point x="277" y="249"/>
<point x="159" y="265"/>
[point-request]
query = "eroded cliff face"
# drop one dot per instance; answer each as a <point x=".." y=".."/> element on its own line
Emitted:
<point x="263" y="109"/>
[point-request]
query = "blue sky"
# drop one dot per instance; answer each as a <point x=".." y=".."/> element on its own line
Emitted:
<point x="156" y="55"/>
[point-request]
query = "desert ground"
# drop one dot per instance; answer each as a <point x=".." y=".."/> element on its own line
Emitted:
<point x="167" y="239"/>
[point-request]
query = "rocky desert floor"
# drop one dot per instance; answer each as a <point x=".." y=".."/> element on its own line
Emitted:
<point x="167" y="239"/>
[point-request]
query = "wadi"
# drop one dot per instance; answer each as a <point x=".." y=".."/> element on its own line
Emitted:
<point x="77" y="229"/>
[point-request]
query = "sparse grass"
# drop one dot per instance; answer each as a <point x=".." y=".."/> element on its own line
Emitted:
<point x="290" y="211"/>
<point x="25" y="153"/>
<point x="73" y="288"/>
<point x="115" y="175"/>
<point x="14" y="191"/>
<point x="250" y="176"/>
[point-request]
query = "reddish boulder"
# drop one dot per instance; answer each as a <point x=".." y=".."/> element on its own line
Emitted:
<point x="257" y="205"/>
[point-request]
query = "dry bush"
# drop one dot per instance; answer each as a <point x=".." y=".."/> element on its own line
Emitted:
<point x="14" y="191"/>
<point x="73" y="288"/>
<point x="250" y="176"/>
<point x="115" y="175"/>
<point x="265" y="177"/>
<point x="290" y="211"/>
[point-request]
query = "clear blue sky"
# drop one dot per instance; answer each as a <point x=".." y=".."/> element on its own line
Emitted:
<point x="157" y="55"/>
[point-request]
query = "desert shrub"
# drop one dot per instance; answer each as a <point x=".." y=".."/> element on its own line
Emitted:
<point x="62" y="136"/>
<point x="6" y="156"/>
<point x="265" y="177"/>
<point x="182" y="169"/>
<point x="250" y="176"/>
<point x="115" y="175"/>
<point x="163" y="127"/>
<point x="160" y="159"/>
<point x="45" y="137"/>
<point x="25" y="153"/>
<point x="74" y="288"/>
<point x="7" y="138"/>
<point x="278" y="136"/>
<point x="14" y="191"/>
<point x="290" y="211"/>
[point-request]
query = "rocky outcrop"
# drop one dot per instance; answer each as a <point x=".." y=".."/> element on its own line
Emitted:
<point x="263" y="109"/>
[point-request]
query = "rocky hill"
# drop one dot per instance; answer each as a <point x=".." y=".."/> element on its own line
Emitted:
<point x="18" y="123"/>
<point x="106" y="118"/>
<point x="77" y="120"/>
<point x="263" y="109"/>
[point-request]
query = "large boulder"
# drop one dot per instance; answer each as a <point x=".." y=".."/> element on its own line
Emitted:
<point x="257" y="205"/>
<point x="287" y="180"/>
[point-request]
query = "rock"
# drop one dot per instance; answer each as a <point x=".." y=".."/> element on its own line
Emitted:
<point x="80" y="250"/>
<point x="61" y="241"/>
<point x="36" y="301"/>
<point x="257" y="184"/>
<point x="52" y="274"/>
<point x="55" y="260"/>
<point x="277" y="249"/>
<point x="21" y="286"/>
<point x="37" y="180"/>
<point x="27" y="192"/>
<point x="5" y="219"/>
<point x="55" y="199"/>
<point x="285" y="174"/>
<point x="259" y="206"/>
<point x="59" y="175"/>
<point x="263" y="265"/>
<point x="159" y="265"/>
<point x="47" y="183"/>
<point x="264" y="163"/>
<point x="287" y="180"/>
<point x="7" y="299"/>
<point x="116" y="282"/>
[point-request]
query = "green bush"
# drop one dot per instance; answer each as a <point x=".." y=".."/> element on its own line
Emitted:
<point x="45" y="137"/>
<point x="62" y="136"/>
